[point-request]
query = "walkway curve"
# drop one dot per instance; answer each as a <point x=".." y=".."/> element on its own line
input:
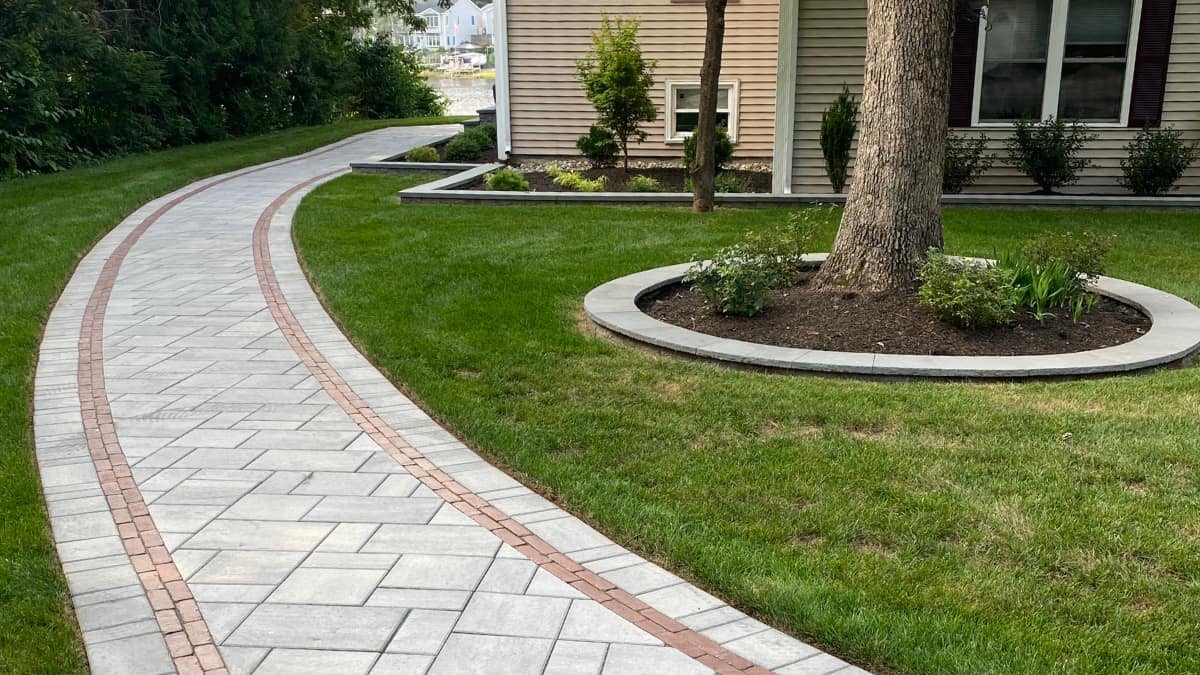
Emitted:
<point x="233" y="488"/>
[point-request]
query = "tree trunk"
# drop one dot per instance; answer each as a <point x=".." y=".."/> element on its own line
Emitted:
<point x="704" y="167"/>
<point x="893" y="210"/>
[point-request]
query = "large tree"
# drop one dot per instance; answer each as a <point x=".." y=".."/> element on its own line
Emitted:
<point x="893" y="210"/>
<point x="704" y="168"/>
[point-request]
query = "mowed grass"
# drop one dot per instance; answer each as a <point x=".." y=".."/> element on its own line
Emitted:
<point x="48" y="223"/>
<point x="912" y="527"/>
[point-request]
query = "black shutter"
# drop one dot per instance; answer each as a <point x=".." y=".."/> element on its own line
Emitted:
<point x="1153" y="58"/>
<point x="962" y="64"/>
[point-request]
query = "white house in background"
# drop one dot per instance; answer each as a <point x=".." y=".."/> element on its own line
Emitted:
<point x="446" y="28"/>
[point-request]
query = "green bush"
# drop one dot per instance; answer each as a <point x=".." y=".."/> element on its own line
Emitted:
<point x="599" y="146"/>
<point x="1048" y="151"/>
<point x="573" y="180"/>
<point x="1157" y="160"/>
<point x="722" y="149"/>
<point x="422" y="154"/>
<point x="489" y="130"/>
<point x="788" y="244"/>
<point x="1056" y="271"/>
<point x="642" y="184"/>
<point x="485" y="139"/>
<point x="389" y="82"/>
<point x="463" y="148"/>
<point x="967" y="294"/>
<point x="736" y="280"/>
<point x="739" y="277"/>
<point x="965" y="162"/>
<point x="838" y="125"/>
<point x="506" y="180"/>
<point x="731" y="183"/>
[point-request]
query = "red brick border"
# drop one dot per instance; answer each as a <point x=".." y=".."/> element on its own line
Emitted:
<point x="183" y="626"/>
<point x="184" y="629"/>
<point x="536" y="549"/>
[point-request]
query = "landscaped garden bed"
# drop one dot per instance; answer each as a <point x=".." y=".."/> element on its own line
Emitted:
<point x="914" y="527"/>
<point x="616" y="179"/>
<point x="891" y="323"/>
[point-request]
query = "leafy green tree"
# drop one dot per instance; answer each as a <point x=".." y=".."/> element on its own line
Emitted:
<point x="617" y="80"/>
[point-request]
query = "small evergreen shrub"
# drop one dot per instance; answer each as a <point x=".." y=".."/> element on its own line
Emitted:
<point x="731" y="183"/>
<point x="1048" y="151"/>
<point x="488" y="130"/>
<point x="722" y="149"/>
<point x="1157" y="160"/>
<point x="599" y="146"/>
<point x="642" y="184"/>
<point x="483" y="138"/>
<point x="463" y="148"/>
<point x="965" y="162"/>
<point x="506" y="180"/>
<point x="838" y="125"/>
<point x="422" y="154"/>
<point x="967" y="294"/>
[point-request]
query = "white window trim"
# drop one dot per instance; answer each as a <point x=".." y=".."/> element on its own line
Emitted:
<point x="673" y="137"/>
<point x="1054" y="63"/>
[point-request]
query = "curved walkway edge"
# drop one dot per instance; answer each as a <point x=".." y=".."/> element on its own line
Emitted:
<point x="234" y="488"/>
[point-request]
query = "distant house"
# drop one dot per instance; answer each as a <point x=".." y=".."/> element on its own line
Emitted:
<point x="1118" y="65"/>
<point x="462" y="22"/>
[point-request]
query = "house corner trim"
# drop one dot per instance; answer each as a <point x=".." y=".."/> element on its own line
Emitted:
<point x="785" y="97"/>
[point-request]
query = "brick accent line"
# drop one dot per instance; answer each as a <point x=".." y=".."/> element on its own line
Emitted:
<point x="671" y="632"/>
<point x="183" y="626"/>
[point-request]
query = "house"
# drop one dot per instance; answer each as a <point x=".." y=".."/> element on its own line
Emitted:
<point x="1115" y="64"/>
<point x="462" y="22"/>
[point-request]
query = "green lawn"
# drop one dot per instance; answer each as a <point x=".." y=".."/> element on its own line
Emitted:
<point x="911" y="527"/>
<point x="48" y="223"/>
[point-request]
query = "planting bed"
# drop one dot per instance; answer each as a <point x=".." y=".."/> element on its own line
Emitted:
<point x="890" y="323"/>
<point x="672" y="179"/>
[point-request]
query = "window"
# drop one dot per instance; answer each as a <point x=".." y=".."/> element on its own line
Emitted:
<point x="432" y="22"/>
<point x="1066" y="58"/>
<point x="683" y="109"/>
<point x="472" y="21"/>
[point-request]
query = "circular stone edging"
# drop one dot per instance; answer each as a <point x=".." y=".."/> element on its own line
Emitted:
<point x="1173" y="336"/>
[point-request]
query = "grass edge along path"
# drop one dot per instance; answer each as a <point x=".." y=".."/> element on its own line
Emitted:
<point x="917" y="527"/>
<point x="48" y="223"/>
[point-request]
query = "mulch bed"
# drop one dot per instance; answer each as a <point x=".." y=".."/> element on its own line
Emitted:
<point x="671" y="178"/>
<point x="891" y="323"/>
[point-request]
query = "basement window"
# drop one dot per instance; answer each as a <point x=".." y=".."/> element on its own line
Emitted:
<point x="683" y="109"/>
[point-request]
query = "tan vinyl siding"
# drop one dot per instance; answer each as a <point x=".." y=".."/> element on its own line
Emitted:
<point x="832" y="44"/>
<point x="549" y="111"/>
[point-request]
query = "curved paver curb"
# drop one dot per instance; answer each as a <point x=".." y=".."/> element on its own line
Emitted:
<point x="1173" y="337"/>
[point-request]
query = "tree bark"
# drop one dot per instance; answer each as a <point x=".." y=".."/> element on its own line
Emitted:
<point x="893" y="210"/>
<point x="704" y="167"/>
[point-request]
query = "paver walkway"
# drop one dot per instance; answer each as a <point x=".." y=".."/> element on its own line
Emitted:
<point x="233" y="488"/>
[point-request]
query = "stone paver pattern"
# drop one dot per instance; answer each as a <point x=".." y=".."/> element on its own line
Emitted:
<point x="234" y="488"/>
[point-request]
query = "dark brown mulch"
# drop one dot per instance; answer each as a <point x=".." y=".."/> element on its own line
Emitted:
<point x="893" y="323"/>
<point x="671" y="178"/>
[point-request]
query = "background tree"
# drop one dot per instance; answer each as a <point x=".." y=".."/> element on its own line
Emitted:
<point x="85" y="79"/>
<point x="704" y="169"/>
<point x="617" y="79"/>
<point x="893" y="211"/>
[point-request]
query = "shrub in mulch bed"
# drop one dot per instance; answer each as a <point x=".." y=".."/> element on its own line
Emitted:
<point x="891" y="323"/>
<point x="671" y="179"/>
